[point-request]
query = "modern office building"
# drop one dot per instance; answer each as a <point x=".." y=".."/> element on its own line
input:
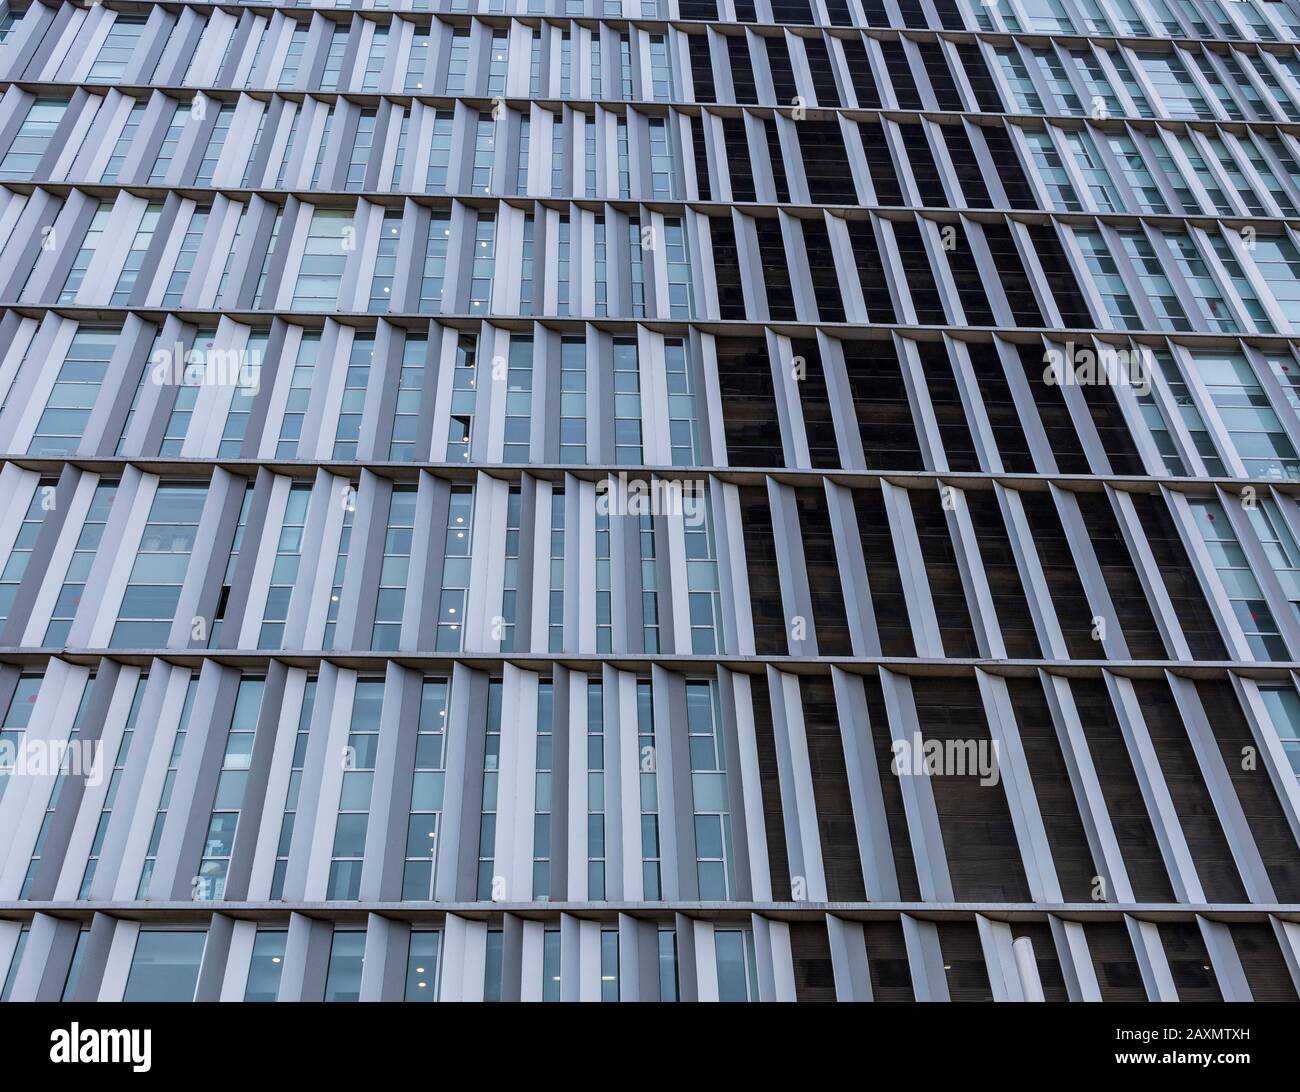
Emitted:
<point x="650" y="500"/>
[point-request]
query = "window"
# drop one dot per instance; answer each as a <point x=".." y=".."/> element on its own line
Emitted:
<point x="86" y="252"/>
<point x="184" y="264"/>
<point x="422" y="965"/>
<point x="661" y="72"/>
<point x="624" y="160"/>
<point x="1278" y="262"/>
<point x="595" y="745"/>
<point x="1238" y="581"/>
<point x="349" y="850"/>
<point x="1283" y="705"/>
<point x="683" y="425"/>
<point x="555" y="604"/>
<point x="627" y="402"/>
<point x="148" y="609"/>
<point x="488" y="817"/>
<point x="232" y="563"/>
<point x="165" y="965"/>
<point x="668" y="963"/>
<point x="115" y="53"/>
<point x="562" y="268"/>
<point x="420" y="872"/>
<point x="394" y="569"/>
<point x="399" y="156"/>
<point x="519" y="400"/>
<point x="114" y="781"/>
<point x="458" y="62"/>
<point x="1174" y="86"/>
<point x="709" y="793"/>
<point x="322" y="147"/>
<point x="1024" y="96"/>
<point x="435" y="179"/>
<point x="1214" y="312"/>
<point x="510" y="581"/>
<point x="1279" y="546"/>
<point x="266" y="965"/>
<point x="166" y="150"/>
<point x="737" y="967"/>
<point x="1055" y="77"/>
<point x="381" y="281"/>
<point x="362" y="152"/>
<point x="375" y="59"/>
<point x="484" y="264"/>
<point x="123" y="145"/>
<point x="293" y="58"/>
<point x="455" y="569"/>
<point x="266" y="261"/>
<point x="74" y="967"/>
<point x="239" y="408"/>
<point x="169" y="784"/>
<point x="637" y="260"/>
<point x="83" y="556"/>
<point x="410" y="389"/>
<point x="32" y="139"/>
<point x="418" y="62"/>
<point x="340" y="567"/>
<point x="463" y="397"/>
<point x="20" y="553"/>
<point x="1253" y="427"/>
<point x="551" y="964"/>
<point x="300" y="385"/>
<point x="649" y="582"/>
<point x="63" y="421"/>
<point x="232" y="783"/>
<point x="647" y="765"/>
<point x="296" y="764"/>
<point x="216" y="143"/>
<point x="663" y="177"/>
<point x="521" y="163"/>
<point x="497" y="63"/>
<point x="1134" y="169"/>
<point x="348" y="432"/>
<point x="329" y="80"/>
<point x="1052" y="172"/>
<point x="323" y="261"/>
<point x="680" y="302"/>
<point x="284" y="570"/>
<point x="601" y="264"/>
<point x="347" y="953"/>
<point x="8" y="21"/>
<point x="703" y="586"/>
<point x="573" y="400"/>
<point x="1094" y="172"/>
<point x="13" y="727"/>
<point x="1107" y="280"/>
<point x="435" y="262"/>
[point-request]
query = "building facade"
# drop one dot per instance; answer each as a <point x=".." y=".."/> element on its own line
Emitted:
<point x="650" y="500"/>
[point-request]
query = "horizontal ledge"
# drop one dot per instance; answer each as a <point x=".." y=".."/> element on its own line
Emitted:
<point x="199" y="468"/>
<point x="858" y="331"/>
<point x="853" y="211"/>
<point x="188" y="911"/>
<point x="372" y="97"/>
<point x="363" y="660"/>
<point x="377" y="14"/>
